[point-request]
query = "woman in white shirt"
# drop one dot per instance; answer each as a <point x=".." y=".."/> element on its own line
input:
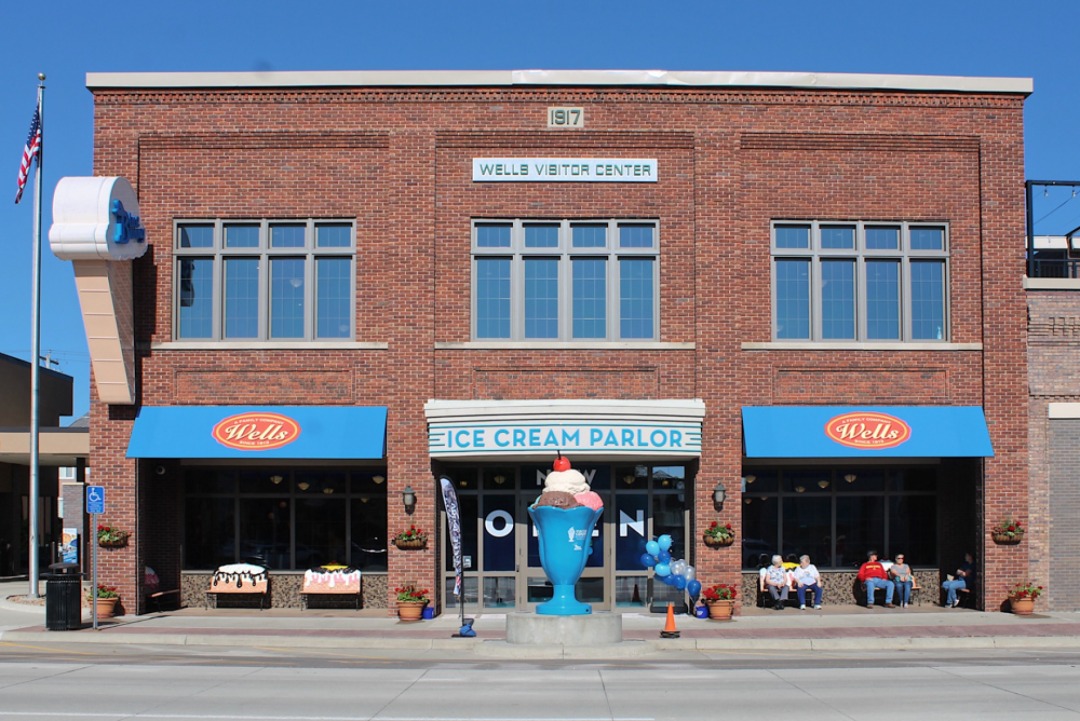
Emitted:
<point x="807" y="577"/>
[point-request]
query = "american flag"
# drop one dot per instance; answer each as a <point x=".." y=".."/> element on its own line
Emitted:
<point x="30" y="152"/>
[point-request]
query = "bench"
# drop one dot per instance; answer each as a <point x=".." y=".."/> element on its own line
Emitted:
<point x="239" y="580"/>
<point x="330" y="581"/>
<point x="765" y="599"/>
<point x="152" y="591"/>
<point x="155" y="597"/>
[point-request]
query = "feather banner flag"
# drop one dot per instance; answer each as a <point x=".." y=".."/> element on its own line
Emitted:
<point x="453" y="519"/>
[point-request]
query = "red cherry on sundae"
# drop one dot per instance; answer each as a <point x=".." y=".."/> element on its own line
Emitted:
<point x="562" y="463"/>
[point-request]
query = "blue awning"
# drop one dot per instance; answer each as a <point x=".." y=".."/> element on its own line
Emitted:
<point x="865" y="432"/>
<point x="257" y="432"/>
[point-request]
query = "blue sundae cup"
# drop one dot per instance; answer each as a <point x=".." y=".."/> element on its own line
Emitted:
<point x="565" y="540"/>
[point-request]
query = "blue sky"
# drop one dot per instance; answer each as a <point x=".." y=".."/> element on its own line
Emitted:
<point x="65" y="40"/>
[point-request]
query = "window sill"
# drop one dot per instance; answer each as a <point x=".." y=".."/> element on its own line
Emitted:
<point x="864" y="346"/>
<point x="564" y="345"/>
<point x="266" y="345"/>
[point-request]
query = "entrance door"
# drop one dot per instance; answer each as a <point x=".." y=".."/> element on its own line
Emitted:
<point x="501" y="554"/>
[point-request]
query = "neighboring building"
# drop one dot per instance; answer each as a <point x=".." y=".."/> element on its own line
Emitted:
<point x="56" y="447"/>
<point x="807" y="289"/>
<point x="1053" y="330"/>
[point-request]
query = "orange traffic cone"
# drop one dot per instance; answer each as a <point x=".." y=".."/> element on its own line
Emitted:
<point x="669" y="628"/>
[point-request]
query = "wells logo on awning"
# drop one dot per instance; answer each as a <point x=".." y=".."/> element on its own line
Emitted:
<point x="868" y="430"/>
<point x="256" y="431"/>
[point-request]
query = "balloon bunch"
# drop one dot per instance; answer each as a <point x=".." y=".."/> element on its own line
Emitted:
<point x="676" y="573"/>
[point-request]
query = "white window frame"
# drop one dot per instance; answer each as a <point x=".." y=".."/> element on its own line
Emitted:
<point x="904" y="255"/>
<point x="218" y="254"/>
<point x="565" y="253"/>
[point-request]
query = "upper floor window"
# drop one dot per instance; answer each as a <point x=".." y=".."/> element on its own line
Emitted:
<point x="264" y="280"/>
<point x="859" y="281"/>
<point x="565" y="280"/>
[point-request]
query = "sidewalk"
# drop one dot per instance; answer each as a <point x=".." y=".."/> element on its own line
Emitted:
<point x="847" y="628"/>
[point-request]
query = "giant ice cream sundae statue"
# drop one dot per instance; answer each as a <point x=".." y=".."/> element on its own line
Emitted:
<point x="564" y="516"/>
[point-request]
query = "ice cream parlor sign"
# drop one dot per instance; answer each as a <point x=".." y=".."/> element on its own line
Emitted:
<point x="450" y="440"/>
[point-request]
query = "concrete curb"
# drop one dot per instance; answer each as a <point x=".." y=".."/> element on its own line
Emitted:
<point x="497" y="648"/>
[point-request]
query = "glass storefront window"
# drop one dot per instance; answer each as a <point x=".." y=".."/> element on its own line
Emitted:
<point x="909" y="533"/>
<point x="837" y="514"/>
<point x="499" y="592"/>
<point x="320" y="531"/>
<point x="285" y="518"/>
<point x="499" y="536"/>
<point x="368" y="548"/>
<point x="264" y="528"/>
<point x="211" y="532"/>
<point x="807" y="528"/>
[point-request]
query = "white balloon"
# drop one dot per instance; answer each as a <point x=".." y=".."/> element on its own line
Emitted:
<point x="690" y="573"/>
<point x="679" y="567"/>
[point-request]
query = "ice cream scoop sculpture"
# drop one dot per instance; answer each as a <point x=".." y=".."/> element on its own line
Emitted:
<point x="564" y="516"/>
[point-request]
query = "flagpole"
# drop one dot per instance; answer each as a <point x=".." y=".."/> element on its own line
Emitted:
<point x="35" y="350"/>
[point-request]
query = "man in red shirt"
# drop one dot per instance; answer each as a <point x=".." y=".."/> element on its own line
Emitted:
<point x="872" y="576"/>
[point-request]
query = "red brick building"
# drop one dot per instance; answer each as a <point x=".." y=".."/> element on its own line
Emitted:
<point x="806" y="289"/>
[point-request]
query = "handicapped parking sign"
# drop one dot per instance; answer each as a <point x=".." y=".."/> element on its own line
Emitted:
<point x="95" y="500"/>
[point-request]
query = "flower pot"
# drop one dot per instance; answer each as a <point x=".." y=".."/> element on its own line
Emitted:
<point x="106" y="607"/>
<point x="1022" y="606"/>
<point x="1004" y="539"/>
<point x="119" y="543"/>
<point x="415" y="544"/>
<point x="712" y="542"/>
<point x="409" y="611"/>
<point x="721" y="610"/>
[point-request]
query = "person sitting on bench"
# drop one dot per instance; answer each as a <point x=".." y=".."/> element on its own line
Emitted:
<point x="872" y="576"/>
<point x="964" y="574"/>
<point x="776" y="581"/>
<point x="807" y="578"/>
<point x="900" y="573"/>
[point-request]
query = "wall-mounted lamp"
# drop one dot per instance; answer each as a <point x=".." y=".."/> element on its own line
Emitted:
<point x="719" y="494"/>
<point x="500" y="479"/>
<point x="750" y="478"/>
<point x="303" y="485"/>
<point x="800" y="489"/>
<point x="823" y="484"/>
<point x="408" y="499"/>
<point x="850" y="477"/>
<point x="748" y="500"/>
<point x="328" y="490"/>
<point x="378" y="480"/>
<point x="628" y="479"/>
<point x="276" y="480"/>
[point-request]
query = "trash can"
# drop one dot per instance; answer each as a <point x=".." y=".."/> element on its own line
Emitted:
<point x="63" y="597"/>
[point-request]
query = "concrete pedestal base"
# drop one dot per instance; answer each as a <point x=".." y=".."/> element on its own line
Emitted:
<point x="585" y="630"/>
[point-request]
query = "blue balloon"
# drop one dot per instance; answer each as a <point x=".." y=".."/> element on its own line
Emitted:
<point x="693" y="587"/>
<point x="679" y="583"/>
<point x="664" y="541"/>
<point x="648" y="561"/>
<point x="652" y="548"/>
<point x="669" y="580"/>
<point x="664" y="557"/>
<point x="662" y="569"/>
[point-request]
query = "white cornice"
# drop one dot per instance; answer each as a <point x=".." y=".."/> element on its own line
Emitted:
<point x="496" y="78"/>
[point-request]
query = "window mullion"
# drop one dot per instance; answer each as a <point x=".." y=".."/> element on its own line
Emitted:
<point x="815" y="297"/>
<point x="265" y="254"/>
<point x="564" y="286"/>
